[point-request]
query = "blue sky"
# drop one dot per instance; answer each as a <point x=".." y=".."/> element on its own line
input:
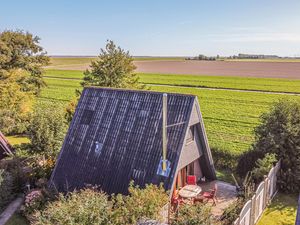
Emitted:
<point x="159" y="27"/>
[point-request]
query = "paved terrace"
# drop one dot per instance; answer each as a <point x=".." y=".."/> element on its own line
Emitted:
<point x="226" y="195"/>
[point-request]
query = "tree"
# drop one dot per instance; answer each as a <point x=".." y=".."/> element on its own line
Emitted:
<point x="20" y="50"/>
<point x="113" y="68"/>
<point x="15" y="103"/>
<point x="47" y="131"/>
<point x="279" y="133"/>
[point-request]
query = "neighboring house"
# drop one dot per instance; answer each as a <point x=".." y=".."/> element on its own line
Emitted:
<point x="5" y="147"/>
<point x="116" y="136"/>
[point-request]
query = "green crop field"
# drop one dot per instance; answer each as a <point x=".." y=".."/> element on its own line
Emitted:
<point x="229" y="115"/>
<point x="239" y="83"/>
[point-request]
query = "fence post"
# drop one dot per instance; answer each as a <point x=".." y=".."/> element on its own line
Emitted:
<point x="237" y="221"/>
<point x="266" y="192"/>
<point x="253" y="203"/>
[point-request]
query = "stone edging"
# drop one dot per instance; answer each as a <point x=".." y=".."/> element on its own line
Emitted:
<point x="11" y="209"/>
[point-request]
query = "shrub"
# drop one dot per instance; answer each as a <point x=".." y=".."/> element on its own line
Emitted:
<point x="47" y="130"/>
<point x="263" y="166"/>
<point x="14" y="167"/>
<point x="34" y="200"/>
<point x="223" y="159"/>
<point x="232" y="212"/>
<point x="6" y="189"/>
<point x="87" y="207"/>
<point x="40" y="167"/>
<point x="145" y="203"/>
<point x="279" y="133"/>
<point x="197" y="214"/>
<point x="246" y="161"/>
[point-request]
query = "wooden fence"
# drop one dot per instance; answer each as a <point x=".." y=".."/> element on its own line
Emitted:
<point x="264" y="193"/>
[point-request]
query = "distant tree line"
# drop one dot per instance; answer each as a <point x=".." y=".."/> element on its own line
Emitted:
<point x="203" y="57"/>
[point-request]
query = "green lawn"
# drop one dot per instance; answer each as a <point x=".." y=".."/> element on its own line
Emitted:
<point x="225" y="175"/>
<point x="17" y="139"/>
<point x="282" y="211"/>
<point x="229" y="116"/>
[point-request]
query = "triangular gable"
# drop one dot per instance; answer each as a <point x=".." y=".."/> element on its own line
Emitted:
<point x="199" y="147"/>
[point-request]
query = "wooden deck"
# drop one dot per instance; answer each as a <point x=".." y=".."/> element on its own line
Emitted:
<point x="226" y="195"/>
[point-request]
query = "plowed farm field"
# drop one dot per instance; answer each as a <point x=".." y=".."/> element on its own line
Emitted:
<point x="263" y="69"/>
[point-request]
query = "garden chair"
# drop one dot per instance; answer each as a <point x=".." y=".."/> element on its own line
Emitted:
<point x="212" y="194"/>
<point x="191" y="180"/>
<point x="176" y="201"/>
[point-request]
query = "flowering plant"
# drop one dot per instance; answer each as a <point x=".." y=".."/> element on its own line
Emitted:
<point x="34" y="200"/>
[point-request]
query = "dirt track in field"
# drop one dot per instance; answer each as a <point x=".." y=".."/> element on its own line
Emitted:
<point x="222" y="68"/>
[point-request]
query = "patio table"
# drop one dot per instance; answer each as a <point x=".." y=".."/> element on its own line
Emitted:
<point x="190" y="191"/>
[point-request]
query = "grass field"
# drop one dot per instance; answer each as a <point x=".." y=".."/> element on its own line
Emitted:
<point x="238" y="83"/>
<point x="229" y="116"/>
<point x="282" y="210"/>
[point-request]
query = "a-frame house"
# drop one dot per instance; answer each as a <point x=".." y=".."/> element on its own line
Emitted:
<point x="116" y="136"/>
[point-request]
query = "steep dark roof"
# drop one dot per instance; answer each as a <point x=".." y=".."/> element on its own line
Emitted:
<point x="116" y="136"/>
<point x="5" y="147"/>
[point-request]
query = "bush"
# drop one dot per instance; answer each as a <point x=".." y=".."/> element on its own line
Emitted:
<point x="263" y="166"/>
<point x="279" y="133"/>
<point x="87" y="207"/>
<point x="6" y="189"/>
<point x="232" y="212"/>
<point x="197" y="214"/>
<point x="34" y="200"/>
<point x="246" y="162"/>
<point x="40" y="167"/>
<point x="223" y="159"/>
<point x="47" y="131"/>
<point x="14" y="167"/>
<point x="145" y="203"/>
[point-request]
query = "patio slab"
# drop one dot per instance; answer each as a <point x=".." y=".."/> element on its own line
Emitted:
<point x="226" y="195"/>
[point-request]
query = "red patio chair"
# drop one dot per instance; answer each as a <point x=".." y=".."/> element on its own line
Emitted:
<point x="212" y="194"/>
<point x="191" y="180"/>
<point x="176" y="201"/>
